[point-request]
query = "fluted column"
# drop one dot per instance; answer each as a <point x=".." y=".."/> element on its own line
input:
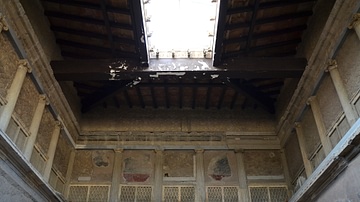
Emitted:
<point x="325" y="141"/>
<point x="3" y="24"/>
<point x="341" y="91"/>
<point x="34" y="127"/>
<point x="200" y="180"/>
<point x="69" y="170"/>
<point x="52" y="150"/>
<point x="355" y="24"/>
<point x="244" y="194"/>
<point x="302" y="143"/>
<point x="13" y="94"/>
<point x="158" y="182"/>
<point x="117" y="170"/>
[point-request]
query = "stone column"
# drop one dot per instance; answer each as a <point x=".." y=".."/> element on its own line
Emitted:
<point x="355" y="24"/>
<point x="200" y="180"/>
<point x="34" y="127"/>
<point x="244" y="193"/>
<point x="325" y="141"/>
<point x="13" y="94"/>
<point x="52" y="150"/>
<point x="69" y="173"/>
<point x="302" y="143"/>
<point x="286" y="172"/>
<point x="341" y="91"/>
<point x="117" y="170"/>
<point x="158" y="176"/>
<point x="3" y="24"/>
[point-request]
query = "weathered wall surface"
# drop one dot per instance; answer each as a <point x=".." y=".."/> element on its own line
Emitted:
<point x="176" y="120"/>
<point x="7" y="65"/>
<point x="310" y="131"/>
<point x="293" y="156"/>
<point x="62" y="154"/>
<point x="27" y="102"/>
<point x="345" y="187"/>
<point x="46" y="129"/>
<point x="138" y="167"/>
<point x="329" y="102"/>
<point x="95" y="165"/>
<point x="348" y="63"/>
<point x="220" y="167"/>
<point x="263" y="163"/>
<point x="179" y="163"/>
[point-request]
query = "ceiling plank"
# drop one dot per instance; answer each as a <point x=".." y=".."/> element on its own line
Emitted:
<point x="252" y="92"/>
<point x="221" y="22"/>
<point x="127" y="98"/>
<point x="108" y="28"/>
<point x="252" y="25"/>
<point x="91" y="35"/>
<point x="221" y="98"/>
<point x="152" y="91"/>
<point x="122" y="69"/>
<point x="139" y="94"/>
<point x="101" y="93"/>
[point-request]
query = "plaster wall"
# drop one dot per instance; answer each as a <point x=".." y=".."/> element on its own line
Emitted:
<point x="46" y="129"/>
<point x="62" y="154"/>
<point x="263" y="163"/>
<point x="7" y="65"/>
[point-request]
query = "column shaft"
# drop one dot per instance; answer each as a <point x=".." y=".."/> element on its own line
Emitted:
<point x="52" y="150"/>
<point x="34" y="127"/>
<point x="302" y="143"/>
<point x="158" y="182"/>
<point x="244" y="194"/>
<point x="342" y="94"/>
<point x="117" y="171"/>
<point x="325" y="141"/>
<point x="286" y="172"/>
<point x="13" y="94"/>
<point x="200" y="180"/>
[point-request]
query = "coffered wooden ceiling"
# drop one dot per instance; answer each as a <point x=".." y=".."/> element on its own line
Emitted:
<point x="103" y="44"/>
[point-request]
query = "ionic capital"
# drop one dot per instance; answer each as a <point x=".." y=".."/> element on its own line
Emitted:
<point x="199" y="150"/>
<point x="3" y="24"/>
<point x="297" y="124"/>
<point x="24" y="64"/>
<point x="310" y="100"/>
<point x="58" y="124"/>
<point x="43" y="98"/>
<point x="355" y="21"/>
<point x="118" y="150"/>
<point x="332" y="65"/>
<point x="239" y="151"/>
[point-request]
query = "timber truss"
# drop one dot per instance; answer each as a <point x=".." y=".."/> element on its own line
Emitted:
<point x="106" y="55"/>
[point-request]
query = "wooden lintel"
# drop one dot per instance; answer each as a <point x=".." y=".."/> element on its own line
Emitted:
<point x="124" y="69"/>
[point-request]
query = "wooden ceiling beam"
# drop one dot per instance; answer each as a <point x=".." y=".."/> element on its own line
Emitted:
<point x="267" y="5"/>
<point x="270" y="20"/>
<point x="87" y="20"/>
<point x="219" y="37"/>
<point x="90" y="6"/>
<point x="252" y="25"/>
<point x="125" y="69"/>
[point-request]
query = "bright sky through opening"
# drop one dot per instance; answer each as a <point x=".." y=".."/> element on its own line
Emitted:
<point x="180" y="25"/>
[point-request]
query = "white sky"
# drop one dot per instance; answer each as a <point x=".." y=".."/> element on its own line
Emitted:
<point x="180" y="24"/>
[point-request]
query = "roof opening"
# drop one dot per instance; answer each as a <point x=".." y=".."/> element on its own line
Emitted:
<point x="180" y="28"/>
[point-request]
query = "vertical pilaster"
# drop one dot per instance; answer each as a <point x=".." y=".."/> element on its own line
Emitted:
<point x="302" y="143"/>
<point x="52" y="150"/>
<point x="117" y="170"/>
<point x="341" y="91"/>
<point x="158" y="182"/>
<point x="200" y="180"/>
<point x="244" y="194"/>
<point x="325" y="141"/>
<point x="3" y="24"/>
<point x="286" y="172"/>
<point x="69" y="170"/>
<point x="34" y="127"/>
<point x="13" y="94"/>
<point x="355" y="24"/>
